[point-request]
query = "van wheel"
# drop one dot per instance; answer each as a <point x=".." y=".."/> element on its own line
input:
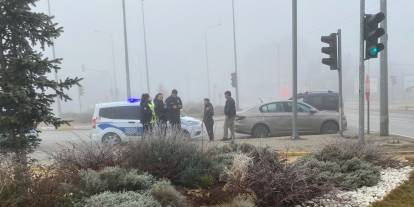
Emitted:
<point x="111" y="138"/>
<point x="260" y="131"/>
<point x="186" y="134"/>
<point x="329" y="127"/>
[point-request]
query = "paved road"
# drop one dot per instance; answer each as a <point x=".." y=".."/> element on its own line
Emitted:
<point x="401" y="122"/>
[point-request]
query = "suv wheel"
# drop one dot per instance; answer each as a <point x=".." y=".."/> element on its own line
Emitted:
<point x="260" y="131"/>
<point x="329" y="127"/>
<point x="111" y="138"/>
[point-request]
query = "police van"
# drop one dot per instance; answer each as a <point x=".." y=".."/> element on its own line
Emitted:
<point x="120" y="121"/>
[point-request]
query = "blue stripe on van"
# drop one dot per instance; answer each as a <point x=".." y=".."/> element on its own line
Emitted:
<point x="128" y="131"/>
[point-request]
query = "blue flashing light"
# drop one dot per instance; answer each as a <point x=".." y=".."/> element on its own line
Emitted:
<point x="133" y="100"/>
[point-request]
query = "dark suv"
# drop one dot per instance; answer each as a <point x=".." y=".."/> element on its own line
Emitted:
<point x="322" y="100"/>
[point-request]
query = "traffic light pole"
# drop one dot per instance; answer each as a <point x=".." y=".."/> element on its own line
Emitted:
<point x="361" y="74"/>
<point x="341" y="101"/>
<point x="294" y="70"/>
<point x="384" y="114"/>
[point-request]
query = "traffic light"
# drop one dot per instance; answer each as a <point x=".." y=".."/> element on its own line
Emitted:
<point x="234" y="80"/>
<point x="331" y="50"/>
<point x="372" y="33"/>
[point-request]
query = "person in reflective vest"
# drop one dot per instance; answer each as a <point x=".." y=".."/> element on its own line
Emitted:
<point x="147" y="113"/>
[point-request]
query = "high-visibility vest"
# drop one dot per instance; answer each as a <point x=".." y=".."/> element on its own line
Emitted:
<point x="152" y="108"/>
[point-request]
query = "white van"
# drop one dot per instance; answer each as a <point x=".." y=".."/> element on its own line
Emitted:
<point x="119" y="121"/>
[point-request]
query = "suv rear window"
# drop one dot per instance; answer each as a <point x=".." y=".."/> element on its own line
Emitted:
<point x="120" y="112"/>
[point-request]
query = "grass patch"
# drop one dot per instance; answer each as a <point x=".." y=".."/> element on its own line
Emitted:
<point x="402" y="196"/>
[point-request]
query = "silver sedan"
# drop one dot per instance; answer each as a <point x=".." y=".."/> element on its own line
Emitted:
<point x="275" y="118"/>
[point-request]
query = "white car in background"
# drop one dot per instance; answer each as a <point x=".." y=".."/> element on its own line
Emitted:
<point x="120" y="121"/>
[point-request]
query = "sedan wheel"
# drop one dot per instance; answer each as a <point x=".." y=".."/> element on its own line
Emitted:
<point x="260" y="131"/>
<point x="329" y="127"/>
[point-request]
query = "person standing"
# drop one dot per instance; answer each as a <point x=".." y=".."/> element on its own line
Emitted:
<point x="230" y="116"/>
<point x="208" y="118"/>
<point x="174" y="106"/>
<point x="147" y="114"/>
<point x="160" y="112"/>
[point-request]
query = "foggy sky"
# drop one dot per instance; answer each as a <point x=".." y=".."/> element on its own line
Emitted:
<point x="175" y="37"/>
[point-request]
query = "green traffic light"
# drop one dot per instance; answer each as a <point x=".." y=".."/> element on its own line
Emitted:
<point x="373" y="51"/>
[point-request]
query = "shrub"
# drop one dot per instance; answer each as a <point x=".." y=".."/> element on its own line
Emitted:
<point x="166" y="194"/>
<point x="87" y="155"/>
<point x="91" y="183"/>
<point x="114" y="179"/>
<point x="347" y="150"/>
<point x="346" y="165"/>
<point x="278" y="183"/>
<point x="46" y="186"/>
<point x="237" y="174"/>
<point x="240" y="201"/>
<point x="124" y="199"/>
<point x="180" y="161"/>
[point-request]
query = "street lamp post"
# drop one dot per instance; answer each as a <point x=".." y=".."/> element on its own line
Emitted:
<point x="207" y="59"/>
<point x="59" y="104"/>
<point x="128" y="82"/>
<point x="235" y="56"/>
<point x="294" y="69"/>
<point x="145" y="46"/>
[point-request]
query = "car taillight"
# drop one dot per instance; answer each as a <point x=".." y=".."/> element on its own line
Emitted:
<point x="94" y="120"/>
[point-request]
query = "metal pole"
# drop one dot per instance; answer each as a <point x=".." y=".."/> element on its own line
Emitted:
<point x="361" y="74"/>
<point x="341" y="100"/>
<point x="80" y="98"/>
<point x="114" y="68"/>
<point x="58" y="102"/>
<point x="207" y="58"/>
<point x="294" y="69"/>
<point x="368" y="115"/>
<point x="384" y="114"/>
<point x="207" y="66"/>
<point x="145" y="46"/>
<point x="235" y="57"/>
<point x="278" y="72"/>
<point x="128" y="82"/>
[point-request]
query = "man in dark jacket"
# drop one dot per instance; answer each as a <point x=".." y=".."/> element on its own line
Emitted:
<point x="230" y="115"/>
<point x="174" y="106"/>
<point x="208" y="118"/>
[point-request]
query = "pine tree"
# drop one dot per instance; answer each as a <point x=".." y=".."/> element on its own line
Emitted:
<point x="26" y="92"/>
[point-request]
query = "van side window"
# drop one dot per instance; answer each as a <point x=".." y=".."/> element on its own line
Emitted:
<point x="331" y="102"/>
<point x="120" y="112"/>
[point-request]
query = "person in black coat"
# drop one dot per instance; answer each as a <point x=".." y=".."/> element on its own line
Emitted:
<point x="146" y="113"/>
<point x="230" y="115"/>
<point x="160" y="112"/>
<point x="208" y="118"/>
<point x="174" y="106"/>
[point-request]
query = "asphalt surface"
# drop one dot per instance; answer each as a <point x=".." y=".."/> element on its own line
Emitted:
<point x="401" y="122"/>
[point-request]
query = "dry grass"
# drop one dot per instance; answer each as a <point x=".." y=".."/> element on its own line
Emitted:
<point x="402" y="196"/>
